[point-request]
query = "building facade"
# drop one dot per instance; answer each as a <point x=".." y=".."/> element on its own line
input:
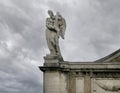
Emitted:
<point x="101" y="76"/>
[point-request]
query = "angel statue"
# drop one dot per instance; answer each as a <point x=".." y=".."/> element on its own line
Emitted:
<point x="55" y="28"/>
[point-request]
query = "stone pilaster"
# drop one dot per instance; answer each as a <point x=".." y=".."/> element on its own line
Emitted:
<point x="55" y="80"/>
<point x="87" y="84"/>
<point x="51" y="82"/>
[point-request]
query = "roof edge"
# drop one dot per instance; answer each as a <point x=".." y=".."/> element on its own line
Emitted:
<point x="115" y="56"/>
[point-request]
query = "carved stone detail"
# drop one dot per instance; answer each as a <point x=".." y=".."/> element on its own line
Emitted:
<point x="55" y="28"/>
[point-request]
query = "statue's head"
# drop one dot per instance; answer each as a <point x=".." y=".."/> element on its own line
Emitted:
<point x="50" y="13"/>
<point x="58" y="15"/>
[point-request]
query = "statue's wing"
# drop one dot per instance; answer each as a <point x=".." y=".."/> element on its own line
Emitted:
<point x="62" y="28"/>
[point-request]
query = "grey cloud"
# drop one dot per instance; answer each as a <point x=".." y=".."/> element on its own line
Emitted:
<point x="92" y="32"/>
<point x="19" y="34"/>
<point x="19" y="77"/>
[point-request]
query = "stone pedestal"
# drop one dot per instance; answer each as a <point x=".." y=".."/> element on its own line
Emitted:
<point x="55" y="81"/>
<point x="53" y="59"/>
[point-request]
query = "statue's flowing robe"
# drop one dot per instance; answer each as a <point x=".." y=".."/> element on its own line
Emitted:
<point x="52" y="37"/>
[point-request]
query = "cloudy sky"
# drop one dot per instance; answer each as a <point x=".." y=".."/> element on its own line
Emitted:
<point x="93" y="31"/>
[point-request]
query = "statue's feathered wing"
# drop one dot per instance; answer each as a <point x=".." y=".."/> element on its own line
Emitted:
<point x="62" y="28"/>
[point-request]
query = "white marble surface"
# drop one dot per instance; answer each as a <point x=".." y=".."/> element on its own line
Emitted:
<point x="79" y="85"/>
<point x="51" y="83"/>
<point x="63" y="83"/>
<point x="105" y="85"/>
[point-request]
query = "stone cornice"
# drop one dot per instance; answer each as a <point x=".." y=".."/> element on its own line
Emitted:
<point x="81" y="66"/>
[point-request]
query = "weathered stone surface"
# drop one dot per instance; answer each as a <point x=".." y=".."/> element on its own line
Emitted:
<point x="81" y="77"/>
<point x="54" y="59"/>
<point x="105" y="85"/>
<point x="51" y="82"/>
<point x="79" y="85"/>
<point x="55" y="28"/>
<point x="87" y="84"/>
<point x="63" y="83"/>
<point x="55" y="82"/>
<point x="68" y="77"/>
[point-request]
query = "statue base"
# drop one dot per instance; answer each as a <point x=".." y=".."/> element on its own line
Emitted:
<point x="53" y="59"/>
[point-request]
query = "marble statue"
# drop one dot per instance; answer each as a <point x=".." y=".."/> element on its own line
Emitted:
<point x="55" y="28"/>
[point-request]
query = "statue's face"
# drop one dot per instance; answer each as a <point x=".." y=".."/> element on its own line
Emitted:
<point x="59" y="15"/>
<point x="50" y="13"/>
